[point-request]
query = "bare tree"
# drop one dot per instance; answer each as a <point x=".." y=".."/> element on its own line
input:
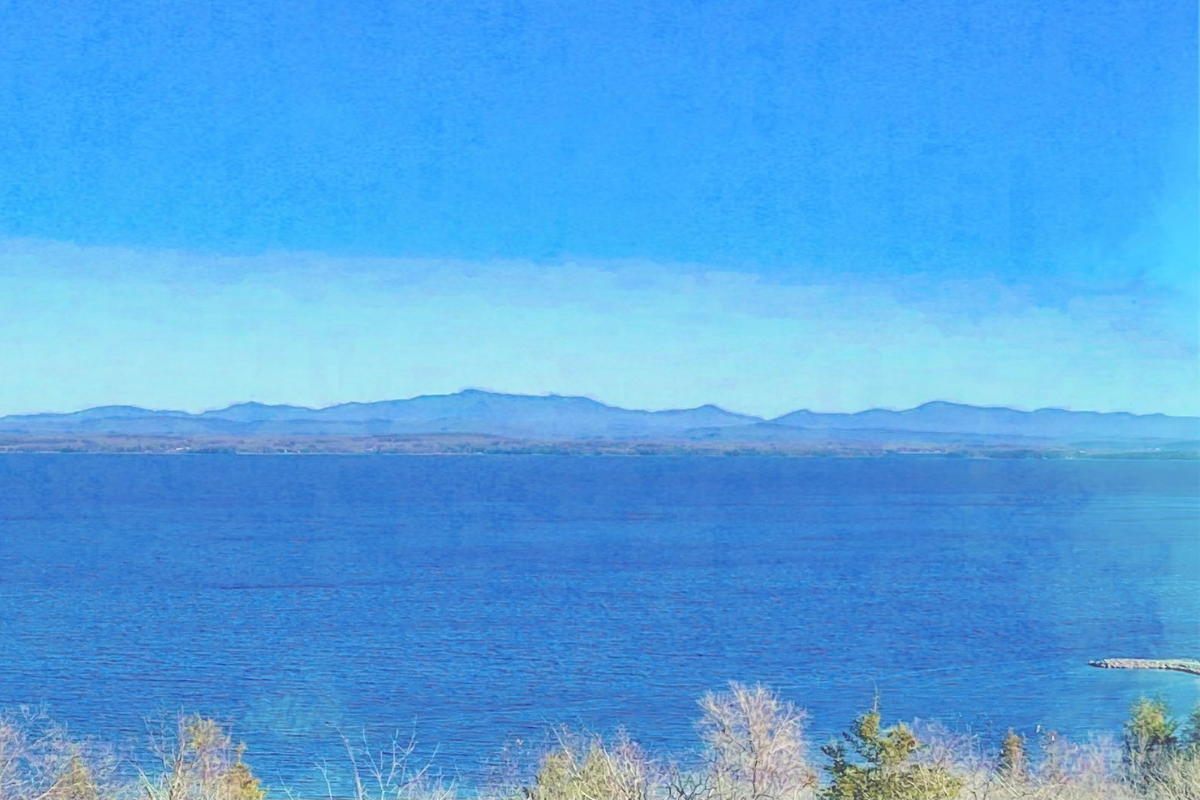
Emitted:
<point x="388" y="772"/>
<point x="754" y="746"/>
<point x="39" y="761"/>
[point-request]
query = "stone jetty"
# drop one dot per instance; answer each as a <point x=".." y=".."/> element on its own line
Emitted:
<point x="1176" y="664"/>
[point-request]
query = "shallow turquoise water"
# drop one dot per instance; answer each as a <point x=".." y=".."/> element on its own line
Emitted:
<point x="479" y="599"/>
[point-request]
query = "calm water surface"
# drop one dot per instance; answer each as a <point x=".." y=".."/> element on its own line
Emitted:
<point x="480" y="599"/>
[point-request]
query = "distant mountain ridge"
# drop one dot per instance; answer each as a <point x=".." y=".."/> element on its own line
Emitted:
<point x="567" y="418"/>
<point x="1052" y="423"/>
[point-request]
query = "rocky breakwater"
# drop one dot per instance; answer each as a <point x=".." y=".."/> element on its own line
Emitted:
<point x="1176" y="664"/>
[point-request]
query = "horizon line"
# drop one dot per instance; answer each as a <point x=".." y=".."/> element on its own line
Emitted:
<point x="548" y="395"/>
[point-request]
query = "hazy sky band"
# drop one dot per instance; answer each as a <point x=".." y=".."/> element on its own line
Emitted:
<point x="764" y="205"/>
<point x="167" y="330"/>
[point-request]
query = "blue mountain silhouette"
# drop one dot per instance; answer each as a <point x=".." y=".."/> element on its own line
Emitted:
<point x="564" y="418"/>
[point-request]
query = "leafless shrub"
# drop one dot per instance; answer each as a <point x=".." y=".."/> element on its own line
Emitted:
<point x="1180" y="779"/>
<point x="1065" y="770"/>
<point x="39" y="761"/>
<point x="389" y="772"/>
<point x="1068" y="769"/>
<point x="511" y="772"/>
<point x="953" y="751"/>
<point x="754" y="746"/>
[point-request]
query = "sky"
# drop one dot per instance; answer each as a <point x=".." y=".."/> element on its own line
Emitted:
<point x="763" y="205"/>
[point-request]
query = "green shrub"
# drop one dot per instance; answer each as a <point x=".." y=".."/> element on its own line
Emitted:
<point x="1150" y="741"/>
<point x="1162" y="760"/>
<point x="886" y="771"/>
<point x="1191" y="741"/>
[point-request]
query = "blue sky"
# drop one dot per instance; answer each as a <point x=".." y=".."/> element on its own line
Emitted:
<point x="764" y="205"/>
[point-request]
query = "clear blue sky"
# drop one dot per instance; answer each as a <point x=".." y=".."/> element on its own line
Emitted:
<point x="833" y="205"/>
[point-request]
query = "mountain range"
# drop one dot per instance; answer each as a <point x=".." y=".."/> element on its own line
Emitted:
<point x="556" y="418"/>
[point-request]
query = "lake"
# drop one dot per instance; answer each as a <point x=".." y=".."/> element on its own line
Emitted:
<point x="477" y="600"/>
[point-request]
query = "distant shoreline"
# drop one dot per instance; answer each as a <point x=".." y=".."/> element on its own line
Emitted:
<point x="466" y="444"/>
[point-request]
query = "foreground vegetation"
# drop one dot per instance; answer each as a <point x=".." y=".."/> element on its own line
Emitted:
<point x="753" y="748"/>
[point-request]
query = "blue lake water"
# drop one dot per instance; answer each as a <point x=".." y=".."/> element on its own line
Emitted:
<point x="480" y="599"/>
